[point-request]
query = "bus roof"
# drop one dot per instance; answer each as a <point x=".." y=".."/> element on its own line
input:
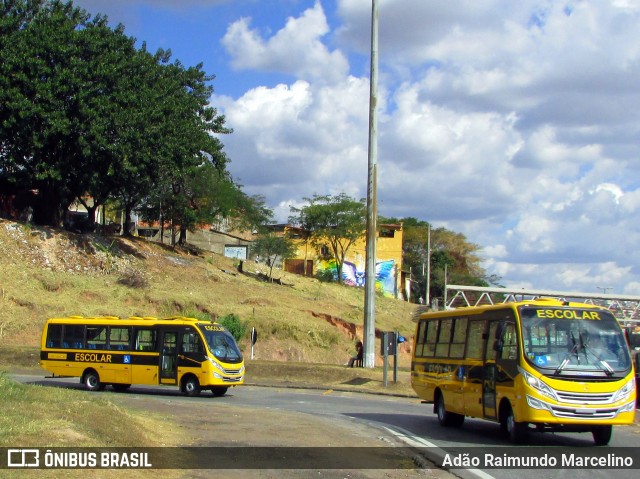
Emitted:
<point x="421" y="313"/>
<point x="132" y="320"/>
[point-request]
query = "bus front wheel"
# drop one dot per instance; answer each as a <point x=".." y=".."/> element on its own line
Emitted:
<point x="191" y="386"/>
<point x="219" y="391"/>
<point x="602" y="435"/>
<point x="91" y="381"/>
<point x="518" y="432"/>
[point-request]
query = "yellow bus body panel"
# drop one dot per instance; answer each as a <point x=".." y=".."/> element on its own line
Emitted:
<point x="465" y="397"/>
<point x="71" y="362"/>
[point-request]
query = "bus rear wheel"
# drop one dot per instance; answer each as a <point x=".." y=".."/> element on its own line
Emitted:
<point x="602" y="435"/>
<point x="191" y="386"/>
<point x="446" y="418"/>
<point x="91" y="381"/>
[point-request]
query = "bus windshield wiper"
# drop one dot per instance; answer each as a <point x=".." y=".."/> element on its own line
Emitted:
<point x="605" y="366"/>
<point x="567" y="357"/>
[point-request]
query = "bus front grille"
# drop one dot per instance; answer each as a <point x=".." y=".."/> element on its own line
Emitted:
<point x="585" y="398"/>
<point x="571" y="413"/>
<point x="227" y="379"/>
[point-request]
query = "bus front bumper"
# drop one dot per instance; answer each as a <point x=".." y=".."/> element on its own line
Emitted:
<point x="544" y="412"/>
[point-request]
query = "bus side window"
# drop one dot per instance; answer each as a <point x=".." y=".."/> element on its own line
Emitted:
<point x="421" y="338"/>
<point x="145" y="339"/>
<point x="73" y="336"/>
<point x="459" y="338"/>
<point x="54" y="336"/>
<point x="96" y="337"/>
<point x="509" y="342"/>
<point x="118" y="338"/>
<point x="444" y="338"/>
<point x="432" y="335"/>
<point x="475" y="340"/>
<point x="191" y="343"/>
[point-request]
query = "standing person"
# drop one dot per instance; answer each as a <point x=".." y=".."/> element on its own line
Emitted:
<point x="357" y="359"/>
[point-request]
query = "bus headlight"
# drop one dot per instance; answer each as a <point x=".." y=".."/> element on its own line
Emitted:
<point x="215" y="364"/>
<point x="538" y="385"/>
<point x="624" y="392"/>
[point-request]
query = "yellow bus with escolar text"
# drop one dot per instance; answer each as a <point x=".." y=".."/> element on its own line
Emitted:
<point x="544" y="364"/>
<point x="179" y="351"/>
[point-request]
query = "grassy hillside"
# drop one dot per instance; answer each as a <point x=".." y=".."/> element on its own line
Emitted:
<point x="55" y="273"/>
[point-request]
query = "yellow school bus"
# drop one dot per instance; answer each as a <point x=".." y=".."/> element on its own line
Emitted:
<point x="179" y="351"/>
<point x="545" y="364"/>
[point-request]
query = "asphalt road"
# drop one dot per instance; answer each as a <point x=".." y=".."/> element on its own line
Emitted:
<point x="271" y="416"/>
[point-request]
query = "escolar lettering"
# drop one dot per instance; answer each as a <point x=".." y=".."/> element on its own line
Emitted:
<point x="213" y="328"/>
<point x="93" y="358"/>
<point x="568" y="314"/>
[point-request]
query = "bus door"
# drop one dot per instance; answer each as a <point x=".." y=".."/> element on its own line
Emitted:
<point x="474" y="368"/>
<point x="168" y="356"/>
<point x="490" y="371"/>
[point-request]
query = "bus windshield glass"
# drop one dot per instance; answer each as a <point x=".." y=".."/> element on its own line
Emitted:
<point x="573" y="341"/>
<point x="221" y="344"/>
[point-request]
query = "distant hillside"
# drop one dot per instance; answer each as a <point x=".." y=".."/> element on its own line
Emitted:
<point x="49" y="273"/>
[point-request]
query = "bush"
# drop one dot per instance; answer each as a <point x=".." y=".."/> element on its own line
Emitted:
<point x="133" y="279"/>
<point x="326" y="275"/>
<point x="234" y="325"/>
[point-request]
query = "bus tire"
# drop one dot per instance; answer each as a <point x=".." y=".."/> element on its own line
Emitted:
<point x="191" y="386"/>
<point x="219" y="391"/>
<point x="446" y="418"/>
<point x="602" y="435"/>
<point x="517" y="432"/>
<point x="91" y="381"/>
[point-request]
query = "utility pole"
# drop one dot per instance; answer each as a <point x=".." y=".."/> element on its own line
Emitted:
<point x="427" y="300"/>
<point x="369" y="347"/>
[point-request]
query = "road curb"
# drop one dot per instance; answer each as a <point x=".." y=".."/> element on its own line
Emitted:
<point x="327" y="388"/>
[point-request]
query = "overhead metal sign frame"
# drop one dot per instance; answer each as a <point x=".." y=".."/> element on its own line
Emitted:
<point x="624" y="307"/>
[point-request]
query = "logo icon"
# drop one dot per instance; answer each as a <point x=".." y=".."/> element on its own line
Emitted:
<point x="23" y="458"/>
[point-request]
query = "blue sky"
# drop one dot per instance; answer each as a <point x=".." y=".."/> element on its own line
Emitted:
<point x="514" y="123"/>
<point x="193" y="30"/>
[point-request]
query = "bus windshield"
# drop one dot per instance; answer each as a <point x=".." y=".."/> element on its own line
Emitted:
<point x="573" y="341"/>
<point x="222" y="344"/>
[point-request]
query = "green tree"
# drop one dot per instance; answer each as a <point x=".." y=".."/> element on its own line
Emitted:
<point x="234" y="325"/>
<point x="338" y="221"/>
<point x="82" y="111"/>
<point x="173" y="152"/>
<point x="272" y="247"/>
<point x="450" y="252"/>
<point x="40" y="109"/>
<point x="205" y="195"/>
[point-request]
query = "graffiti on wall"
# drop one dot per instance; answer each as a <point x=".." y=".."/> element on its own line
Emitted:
<point x="354" y="275"/>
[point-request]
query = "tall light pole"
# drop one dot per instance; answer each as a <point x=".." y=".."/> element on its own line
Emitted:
<point x="372" y="208"/>
<point x="427" y="298"/>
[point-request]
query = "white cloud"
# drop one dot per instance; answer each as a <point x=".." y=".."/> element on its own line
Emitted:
<point x="512" y="122"/>
<point x="296" y="48"/>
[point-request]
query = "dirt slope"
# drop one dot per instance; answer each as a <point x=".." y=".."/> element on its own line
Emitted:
<point x="48" y="272"/>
